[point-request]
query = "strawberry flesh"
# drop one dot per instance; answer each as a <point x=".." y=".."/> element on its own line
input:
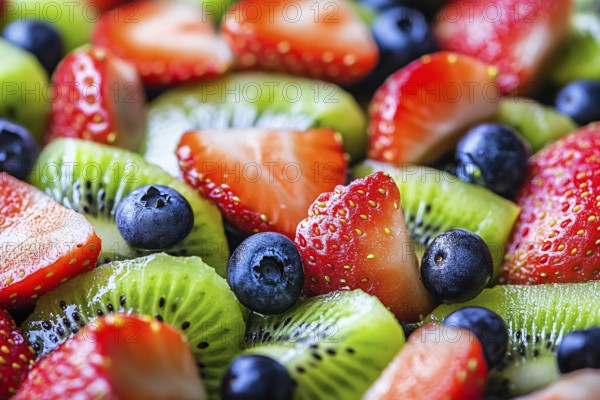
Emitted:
<point x="98" y="97"/>
<point x="557" y="235"/>
<point x="422" y="110"/>
<point x="356" y="238"/>
<point x="118" y="357"/>
<point x="43" y="243"/>
<point x="263" y="180"/>
<point x="517" y="36"/>
<point x="321" y="39"/>
<point x="438" y="362"/>
<point x="168" y="42"/>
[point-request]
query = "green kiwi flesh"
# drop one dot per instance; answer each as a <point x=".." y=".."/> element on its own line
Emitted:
<point x="434" y="202"/>
<point x="92" y="179"/>
<point x="538" y="124"/>
<point x="25" y="90"/>
<point x="579" y="57"/>
<point x="537" y="318"/>
<point x="333" y="345"/>
<point x="246" y="100"/>
<point x="181" y="291"/>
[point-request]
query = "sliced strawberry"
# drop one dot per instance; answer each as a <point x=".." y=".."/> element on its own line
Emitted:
<point x="43" y="243"/>
<point x="557" y="235"/>
<point x="263" y="180"/>
<point x="15" y="356"/>
<point x="168" y="42"/>
<point x="356" y="238"/>
<point x="98" y="97"/>
<point x="438" y="362"/>
<point x="517" y="36"/>
<point x="117" y="357"/>
<point x="321" y="39"/>
<point x="420" y="112"/>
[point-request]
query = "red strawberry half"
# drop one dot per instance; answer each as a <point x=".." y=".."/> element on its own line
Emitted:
<point x="517" y="36"/>
<point x="263" y="180"/>
<point x="15" y="356"/>
<point x="557" y="235"/>
<point x="168" y="42"/>
<point x="43" y="243"/>
<point x="97" y="97"/>
<point x="356" y="238"/>
<point x="117" y="357"/>
<point x="420" y="112"/>
<point x="438" y="362"/>
<point x="321" y="39"/>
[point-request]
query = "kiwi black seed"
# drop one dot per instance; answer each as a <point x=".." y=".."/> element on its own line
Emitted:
<point x="434" y="202"/>
<point x="537" y="318"/>
<point x="206" y="311"/>
<point x="92" y="179"/>
<point x="333" y="345"/>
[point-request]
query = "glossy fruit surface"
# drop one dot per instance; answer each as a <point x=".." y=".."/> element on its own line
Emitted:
<point x="18" y="150"/>
<point x="154" y="217"/>
<point x="579" y="100"/>
<point x="489" y="328"/>
<point x="266" y="274"/>
<point x="251" y="377"/>
<point x="494" y="156"/>
<point x="39" y="38"/>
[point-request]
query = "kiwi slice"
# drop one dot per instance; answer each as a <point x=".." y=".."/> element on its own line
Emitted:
<point x="181" y="291"/>
<point x="538" y="124"/>
<point x="434" y="202"/>
<point x="333" y="345"/>
<point x="24" y="88"/>
<point x="92" y="178"/>
<point x="579" y="57"/>
<point x="247" y="100"/>
<point x="537" y="318"/>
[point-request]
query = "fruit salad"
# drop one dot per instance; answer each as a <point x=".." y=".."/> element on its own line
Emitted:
<point x="300" y="199"/>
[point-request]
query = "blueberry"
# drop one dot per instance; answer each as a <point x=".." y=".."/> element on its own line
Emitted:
<point x="254" y="377"/>
<point x="579" y="350"/>
<point x="18" y="150"/>
<point x="494" y="156"/>
<point x="38" y="38"/>
<point x="456" y="266"/>
<point x="428" y="7"/>
<point x="487" y="326"/>
<point x="579" y="100"/>
<point x="402" y="35"/>
<point x="154" y="217"/>
<point x="265" y="273"/>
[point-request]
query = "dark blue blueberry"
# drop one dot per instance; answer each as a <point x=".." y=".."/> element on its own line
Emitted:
<point x="18" y="150"/>
<point x="428" y="7"/>
<point x="154" y="217"/>
<point x="579" y="100"/>
<point x="265" y="273"/>
<point x="494" y="156"/>
<point x="254" y="377"/>
<point x="579" y="350"/>
<point x="487" y="326"/>
<point x="456" y="266"/>
<point x="38" y="38"/>
<point x="402" y="35"/>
